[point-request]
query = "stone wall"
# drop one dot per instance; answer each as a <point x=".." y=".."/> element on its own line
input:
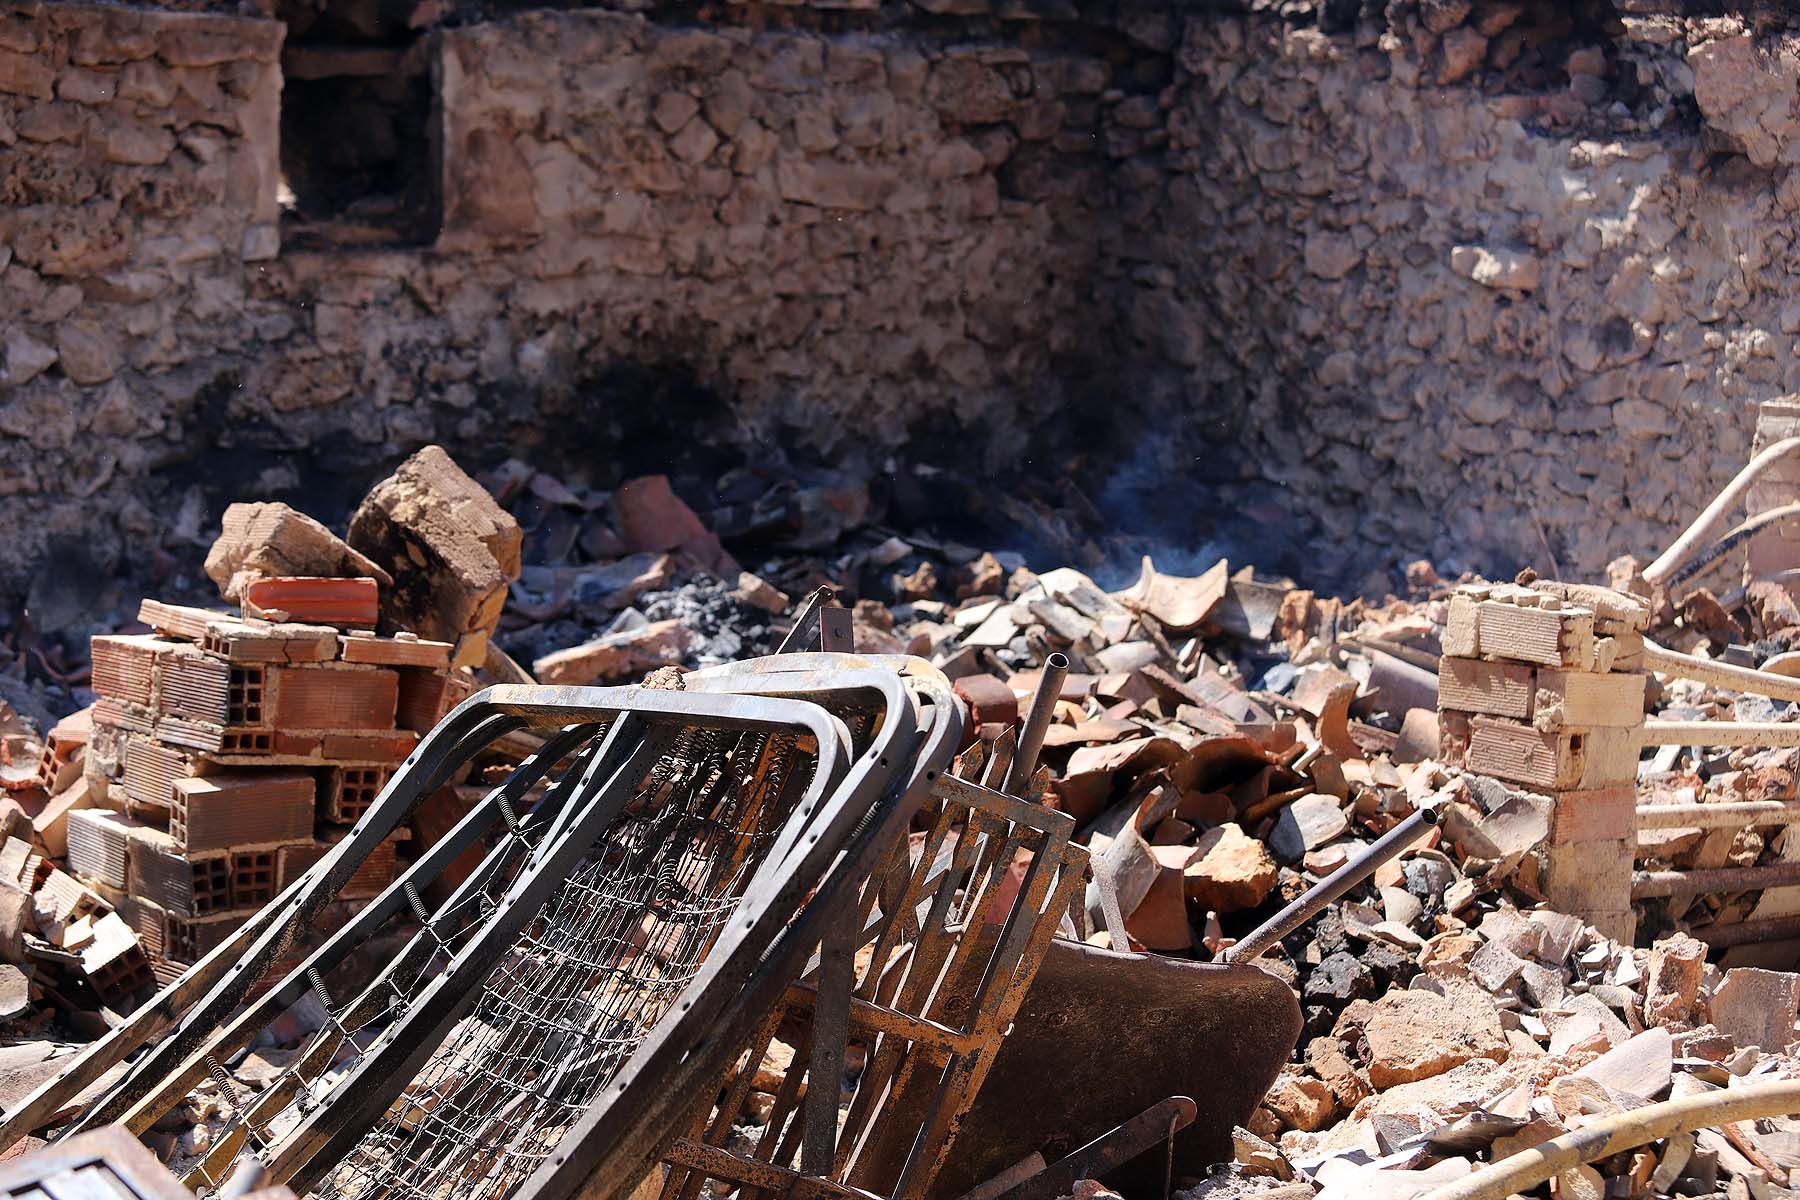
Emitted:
<point x="843" y="234"/>
<point x="826" y="229"/>
<point x="1490" y="283"/>
<point x="137" y="181"/>
<point x="1494" y="328"/>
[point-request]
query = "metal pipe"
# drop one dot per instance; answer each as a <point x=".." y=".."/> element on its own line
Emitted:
<point x="1649" y="885"/>
<point x="1762" y="522"/>
<point x="1400" y="683"/>
<point x="1718" y="816"/>
<point x="1721" y="733"/>
<point x="1718" y="674"/>
<point x="1749" y="933"/>
<point x="1037" y="723"/>
<point x="1602" y="1137"/>
<point x="1307" y="905"/>
<point x="1683" y="548"/>
<point x="1410" y="655"/>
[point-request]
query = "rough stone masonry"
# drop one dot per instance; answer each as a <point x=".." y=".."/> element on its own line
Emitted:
<point x="1494" y="283"/>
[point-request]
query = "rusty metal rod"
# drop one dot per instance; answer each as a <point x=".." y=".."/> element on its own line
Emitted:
<point x="1721" y="733"/>
<point x="1749" y="933"/>
<point x="1307" y="905"/>
<point x="1037" y="723"/>
<point x="1738" y="679"/>
<point x="1119" y="1145"/>
<point x="1710" y="518"/>
<point x="1718" y="816"/>
<point x="1603" y="1137"/>
<point x="1648" y="885"/>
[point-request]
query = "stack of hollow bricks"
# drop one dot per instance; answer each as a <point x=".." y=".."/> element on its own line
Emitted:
<point x="71" y="927"/>
<point x="1538" y="690"/>
<point x="228" y="753"/>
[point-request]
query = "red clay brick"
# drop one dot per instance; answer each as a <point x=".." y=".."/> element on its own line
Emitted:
<point x="327" y="699"/>
<point x="342" y="602"/>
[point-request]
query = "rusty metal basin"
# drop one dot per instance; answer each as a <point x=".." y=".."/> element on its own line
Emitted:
<point x="1100" y="1038"/>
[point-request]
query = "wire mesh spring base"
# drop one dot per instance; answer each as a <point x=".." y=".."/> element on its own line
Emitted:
<point x="610" y="952"/>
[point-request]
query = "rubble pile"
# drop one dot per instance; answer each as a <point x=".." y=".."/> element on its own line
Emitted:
<point x="226" y="751"/>
<point x="1223" y="742"/>
<point x="1226" y="740"/>
<point x="1516" y="1028"/>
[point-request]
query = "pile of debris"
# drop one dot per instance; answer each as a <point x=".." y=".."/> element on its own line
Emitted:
<point x="1515" y="1029"/>
<point x="1226" y="748"/>
<point x="226" y="752"/>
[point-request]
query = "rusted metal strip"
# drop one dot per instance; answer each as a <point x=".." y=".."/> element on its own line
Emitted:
<point x="1152" y="1127"/>
<point x="837" y="633"/>
<point x="1309" y="903"/>
<point x="1742" y="813"/>
<point x="784" y="1181"/>
<point x="999" y="759"/>
<point x="803" y="634"/>
<point x="962" y="879"/>
<point x="1648" y="885"/>
<point x="875" y="1018"/>
<point x="974" y="795"/>
<point x="831" y="1031"/>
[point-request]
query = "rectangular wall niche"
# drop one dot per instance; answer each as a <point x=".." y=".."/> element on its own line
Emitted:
<point x="358" y="159"/>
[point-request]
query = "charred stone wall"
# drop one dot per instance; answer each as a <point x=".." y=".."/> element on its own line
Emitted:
<point x="137" y="193"/>
<point x="1501" y="289"/>
<point x="1495" y="283"/>
<point x="843" y="232"/>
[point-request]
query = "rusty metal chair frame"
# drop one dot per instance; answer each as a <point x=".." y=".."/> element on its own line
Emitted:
<point x="890" y="716"/>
